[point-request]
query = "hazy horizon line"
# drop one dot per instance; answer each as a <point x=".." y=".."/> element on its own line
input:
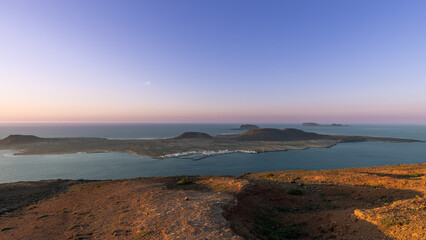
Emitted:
<point x="188" y="123"/>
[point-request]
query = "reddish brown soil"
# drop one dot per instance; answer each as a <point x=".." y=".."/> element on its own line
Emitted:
<point x="21" y="194"/>
<point x="127" y="209"/>
<point x="362" y="203"/>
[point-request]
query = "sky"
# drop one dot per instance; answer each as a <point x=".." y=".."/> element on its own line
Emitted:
<point x="98" y="61"/>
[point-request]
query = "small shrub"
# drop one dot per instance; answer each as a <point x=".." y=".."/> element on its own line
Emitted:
<point x="264" y="225"/>
<point x="311" y="208"/>
<point x="185" y="181"/>
<point x="142" y="235"/>
<point x="79" y="238"/>
<point x="73" y="227"/>
<point x="5" y="229"/>
<point x="391" y="220"/>
<point x="294" y="191"/>
<point x="282" y="208"/>
<point x="291" y="231"/>
<point x="331" y="207"/>
<point x="415" y="175"/>
<point x="270" y="175"/>
<point x="30" y="208"/>
<point x="42" y="216"/>
<point x="267" y="227"/>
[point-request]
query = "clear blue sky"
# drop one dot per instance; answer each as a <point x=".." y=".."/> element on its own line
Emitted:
<point x="213" y="61"/>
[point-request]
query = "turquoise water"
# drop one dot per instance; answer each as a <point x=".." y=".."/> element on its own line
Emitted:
<point x="123" y="165"/>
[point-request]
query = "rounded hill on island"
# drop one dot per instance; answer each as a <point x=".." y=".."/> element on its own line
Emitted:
<point x="272" y="134"/>
<point x="18" y="139"/>
<point x="192" y="135"/>
<point x="246" y="127"/>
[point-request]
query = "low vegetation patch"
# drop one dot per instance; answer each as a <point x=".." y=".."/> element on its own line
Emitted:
<point x="42" y="216"/>
<point x="415" y="175"/>
<point x="270" y="175"/>
<point x="5" y="229"/>
<point x="282" y="208"/>
<point x="30" y="208"/>
<point x="142" y="235"/>
<point x="268" y="228"/>
<point x="294" y="191"/>
<point x="74" y="227"/>
<point x="185" y="181"/>
<point x="391" y="220"/>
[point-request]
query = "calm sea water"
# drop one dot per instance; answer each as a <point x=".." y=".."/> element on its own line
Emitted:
<point x="123" y="165"/>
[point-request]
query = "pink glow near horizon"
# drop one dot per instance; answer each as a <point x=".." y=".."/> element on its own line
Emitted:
<point x="275" y="62"/>
<point x="213" y="117"/>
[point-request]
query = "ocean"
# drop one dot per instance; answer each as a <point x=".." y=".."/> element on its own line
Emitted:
<point x="123" y="165"/>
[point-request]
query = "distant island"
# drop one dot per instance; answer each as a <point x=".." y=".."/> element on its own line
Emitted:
<point x="312" y="124"/>
<point x="195" y="145"/>
<point x="246" y="127"/>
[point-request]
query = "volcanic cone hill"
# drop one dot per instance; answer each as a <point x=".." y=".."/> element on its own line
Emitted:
<point x="246" y="127"/>
<point x="272" y="134"/>
<point x="19" y="139"/>
<point x="192" y="135"/>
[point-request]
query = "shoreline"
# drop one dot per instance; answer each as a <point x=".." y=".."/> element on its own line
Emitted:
<point x="211" y="175"/>
<point x="206" y="153"/>
<point x="218" y="175"/>
<point x="253" y="141"/>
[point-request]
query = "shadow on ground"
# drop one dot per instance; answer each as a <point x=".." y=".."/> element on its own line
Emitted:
<point x="275" y="210"/>
<point x="14" y="196"/>
<point x="397" y="176"/>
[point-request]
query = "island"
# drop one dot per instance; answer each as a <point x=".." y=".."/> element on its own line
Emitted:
<point x="246" y="127"/>
<point x="312" y="124"/>
<point x="194" y="145"/>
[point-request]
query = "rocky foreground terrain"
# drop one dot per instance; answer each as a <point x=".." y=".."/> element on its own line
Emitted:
<point x="385" y="202"/>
